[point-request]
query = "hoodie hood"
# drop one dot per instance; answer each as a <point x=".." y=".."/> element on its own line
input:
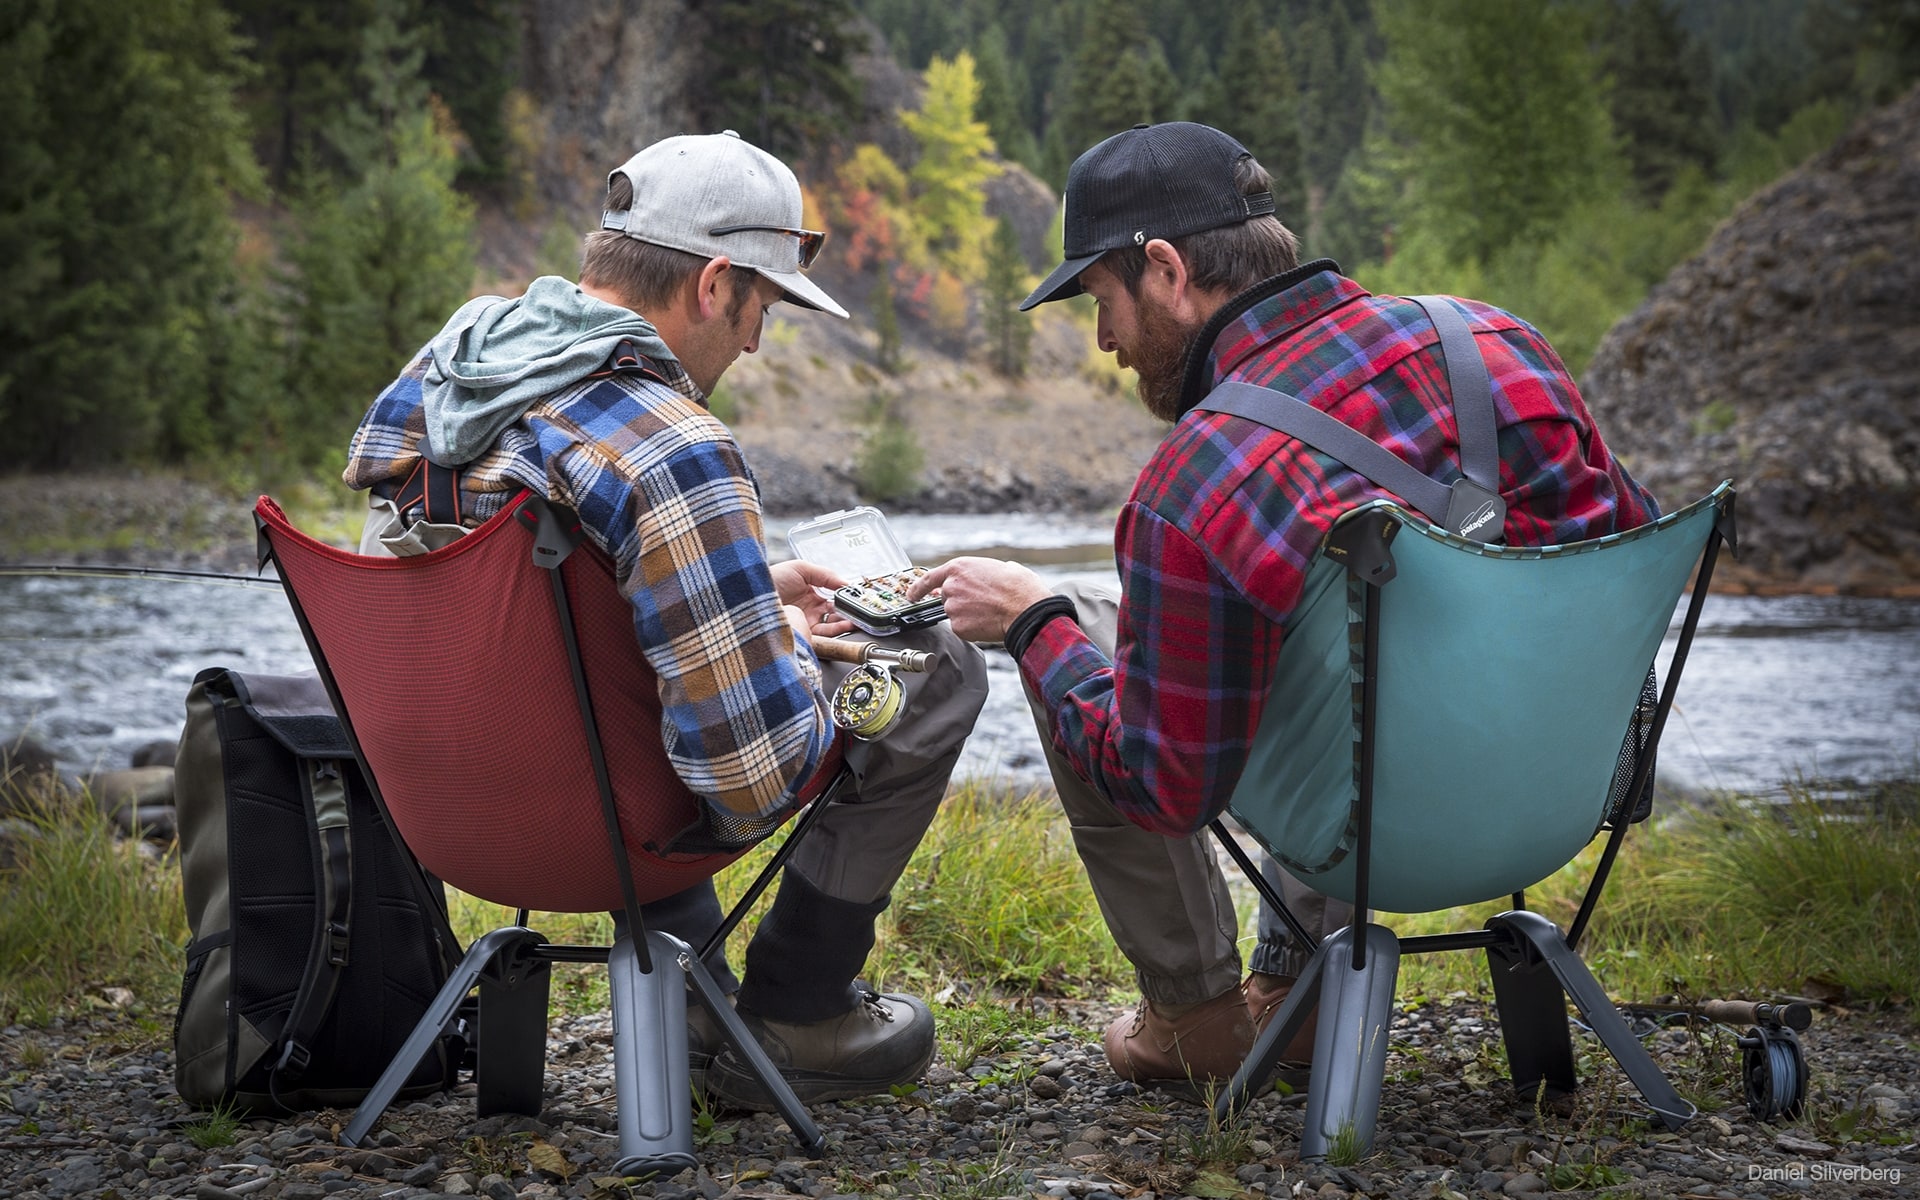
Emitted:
<point x="496" y="357"/>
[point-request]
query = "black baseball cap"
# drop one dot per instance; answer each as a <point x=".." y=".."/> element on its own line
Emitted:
<point x="1151" y="181"/>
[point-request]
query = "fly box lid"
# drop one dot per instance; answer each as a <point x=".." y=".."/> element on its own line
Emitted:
<point x="853" y="541"/>
<point x="857" y="543"/>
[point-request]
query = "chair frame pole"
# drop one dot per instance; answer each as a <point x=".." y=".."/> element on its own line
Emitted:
<point x="1642" y="775"/>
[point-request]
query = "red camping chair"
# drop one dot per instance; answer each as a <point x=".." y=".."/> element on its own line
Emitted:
<point x="499" y="704"/>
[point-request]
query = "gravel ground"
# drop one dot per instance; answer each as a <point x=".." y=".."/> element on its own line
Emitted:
<point x="84" y="1115"/>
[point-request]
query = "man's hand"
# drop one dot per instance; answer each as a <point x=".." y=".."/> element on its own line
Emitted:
<point x="982" y="595"/>
<point x="799" y="583"/>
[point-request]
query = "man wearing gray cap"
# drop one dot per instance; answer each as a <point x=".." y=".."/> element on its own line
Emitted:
<point x="1149" y="697"/>
<point x="595" y="396"/>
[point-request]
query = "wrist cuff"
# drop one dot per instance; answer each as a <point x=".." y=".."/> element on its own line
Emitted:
<point x="1027" y="625"/>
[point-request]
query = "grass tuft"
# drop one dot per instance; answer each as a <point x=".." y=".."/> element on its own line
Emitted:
<point x="81" y="911"/>
<point x="1745" y="898"/>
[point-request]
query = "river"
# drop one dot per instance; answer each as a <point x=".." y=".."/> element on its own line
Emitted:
<point x="1778" y="689"/>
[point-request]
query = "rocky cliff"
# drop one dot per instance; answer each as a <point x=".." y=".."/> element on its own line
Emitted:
<point x="1787" y="356"/>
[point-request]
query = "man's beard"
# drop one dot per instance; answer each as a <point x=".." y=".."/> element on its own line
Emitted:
<point x="1159" y="358"/>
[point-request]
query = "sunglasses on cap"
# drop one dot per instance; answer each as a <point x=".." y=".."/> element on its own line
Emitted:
<point x="810" y="239"/>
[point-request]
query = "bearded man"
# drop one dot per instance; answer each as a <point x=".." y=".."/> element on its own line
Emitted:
<point x="1147" y="699"/>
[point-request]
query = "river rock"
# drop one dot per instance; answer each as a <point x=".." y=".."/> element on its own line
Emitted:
<point x="22" y="760"/>
<point x="155" y="754"/>
<point x="120" y="794"/>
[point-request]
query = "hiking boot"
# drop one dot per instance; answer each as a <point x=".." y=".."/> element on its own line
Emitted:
<point x="884" y="1041"/>
<point x="1204" y="1043"/>
<point x="1265" y="994"/>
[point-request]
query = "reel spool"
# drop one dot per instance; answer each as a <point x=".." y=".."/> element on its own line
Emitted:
<point x="869" y="702"/>
<point x="1774" y="1071"/>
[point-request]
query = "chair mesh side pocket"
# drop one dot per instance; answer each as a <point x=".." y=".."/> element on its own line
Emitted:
<point x="1632" y="750"/>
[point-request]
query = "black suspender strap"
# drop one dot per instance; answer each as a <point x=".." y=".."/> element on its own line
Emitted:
<point x="1471" y="391"/>
<point x="433" y="491"/>
<point x="1469" y="506"/>
<point x="1297" y="419"/>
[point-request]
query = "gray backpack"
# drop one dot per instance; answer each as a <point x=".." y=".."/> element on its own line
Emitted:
<point x="317" y="941"/>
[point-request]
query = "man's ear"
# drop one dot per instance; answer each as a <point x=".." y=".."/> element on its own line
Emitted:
<point x="1166" y="277"/>
<point x="709" y="298"/>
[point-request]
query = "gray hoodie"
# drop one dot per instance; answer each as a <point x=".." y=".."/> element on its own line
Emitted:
<point x="496" y="357"/>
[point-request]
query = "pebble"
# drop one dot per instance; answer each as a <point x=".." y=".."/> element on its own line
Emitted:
<point x="82" y="1117"/>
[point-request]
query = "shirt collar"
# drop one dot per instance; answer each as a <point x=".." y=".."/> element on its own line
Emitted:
<point x="1264" y="313"/>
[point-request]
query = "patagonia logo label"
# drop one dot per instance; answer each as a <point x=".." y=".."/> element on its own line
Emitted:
<point x="1480" y="517"/>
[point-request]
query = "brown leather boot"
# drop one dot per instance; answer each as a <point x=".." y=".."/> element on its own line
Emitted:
<point x="1205" y="1043"/>
<point x="1265" y="994"/>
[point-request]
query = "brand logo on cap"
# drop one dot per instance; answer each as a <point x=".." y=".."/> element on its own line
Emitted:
<point x="1139" y="237"/>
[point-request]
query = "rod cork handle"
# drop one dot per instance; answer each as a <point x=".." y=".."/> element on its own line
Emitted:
<point x="841" y="650"/>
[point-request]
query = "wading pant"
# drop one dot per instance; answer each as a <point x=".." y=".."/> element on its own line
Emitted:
<point x="803" y="957"/>
<point x="1165" y="899"/>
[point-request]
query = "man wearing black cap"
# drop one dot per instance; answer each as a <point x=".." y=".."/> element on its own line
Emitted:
<point x="1148" y="700"/>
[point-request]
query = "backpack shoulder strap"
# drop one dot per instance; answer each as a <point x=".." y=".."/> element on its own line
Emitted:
<point x="328" y="955"/>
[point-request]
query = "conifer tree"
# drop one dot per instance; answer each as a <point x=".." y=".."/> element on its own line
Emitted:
<point x="1497" y="108"/>
<point x="471" y="46"/>
<point x="380" y="259"/>
<point x="1009" y="331"/>
<point x="781" y="71"/>
<point x="1118" y="78"/>
<point x="1658" y="94"/>
<point x="1002" y="91"/>
<point x="949" y="203"/>
<point x="1253" y="97"/>
<point x="308" y="56"/>
<point x="121" y="141"/>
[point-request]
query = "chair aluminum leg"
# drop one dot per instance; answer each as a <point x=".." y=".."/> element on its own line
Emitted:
<point x="1533" y="1019"/>
<point x="440" y="1014"/>
<point x="651" y="1081"/>
<point x="1546" y="940"/>
<point x="711" y="998"/>
<point x="1350" y="1046"/>
<point x="510" y="1036"/>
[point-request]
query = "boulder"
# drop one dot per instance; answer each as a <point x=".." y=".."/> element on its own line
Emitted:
<point x="1786" y="355"/>
<point x="121" y="795"/>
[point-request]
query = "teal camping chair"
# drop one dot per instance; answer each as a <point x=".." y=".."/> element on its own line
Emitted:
<point x="1453" y="734"/>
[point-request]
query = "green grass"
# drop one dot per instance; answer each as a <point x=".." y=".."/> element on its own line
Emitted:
<point x="80" y="912"/>
<point x="1746" y="899"/>
<point x="994" y="903"/>
<point x="1749" y="900"/>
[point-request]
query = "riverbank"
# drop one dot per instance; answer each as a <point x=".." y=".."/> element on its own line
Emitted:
<point x="172" y="519"/>
<point x="91" y="1112"/>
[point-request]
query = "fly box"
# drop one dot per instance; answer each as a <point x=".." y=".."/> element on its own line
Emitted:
<point x="857" y="543"/>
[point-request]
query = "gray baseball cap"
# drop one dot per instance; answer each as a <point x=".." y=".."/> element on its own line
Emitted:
<point x="714" y="194"/>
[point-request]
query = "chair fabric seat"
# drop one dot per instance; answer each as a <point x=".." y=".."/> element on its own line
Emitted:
<point x="496" y="794"/>
<point x="1507" y="680"/>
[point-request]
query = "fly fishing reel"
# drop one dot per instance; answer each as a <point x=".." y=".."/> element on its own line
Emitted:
<point x="868" y="703"/>
<point x="870" y="700"/>
<point x="1774" y="1072"/>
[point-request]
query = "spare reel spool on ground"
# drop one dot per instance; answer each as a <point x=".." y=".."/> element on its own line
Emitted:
<point x="869" y="702"/>
<point x="1775" y="1073"/>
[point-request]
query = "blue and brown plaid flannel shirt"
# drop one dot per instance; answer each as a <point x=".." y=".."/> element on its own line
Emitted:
<point x="659" y="484"/>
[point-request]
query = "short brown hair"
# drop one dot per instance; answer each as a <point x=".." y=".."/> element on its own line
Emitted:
<point x="642" y="274"/>
<point x="1230" y="258"/>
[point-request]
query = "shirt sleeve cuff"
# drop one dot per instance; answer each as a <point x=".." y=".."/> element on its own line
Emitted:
<point x="1027" y="625"/>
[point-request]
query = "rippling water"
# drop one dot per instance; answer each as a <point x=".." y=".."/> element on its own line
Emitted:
<point x="1777" y="689"/>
